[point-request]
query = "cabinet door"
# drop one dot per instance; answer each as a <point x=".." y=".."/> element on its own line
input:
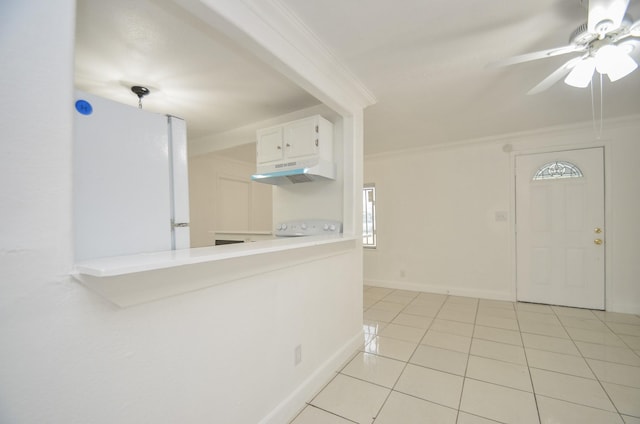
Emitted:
<point x="301" y="138"/>
<point x="269" y="145"/>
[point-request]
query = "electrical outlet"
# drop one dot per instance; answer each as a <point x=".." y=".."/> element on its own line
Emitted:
<point x="297" y="353"/>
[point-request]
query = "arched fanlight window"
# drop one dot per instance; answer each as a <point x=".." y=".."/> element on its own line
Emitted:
<point x="556" y="170"/>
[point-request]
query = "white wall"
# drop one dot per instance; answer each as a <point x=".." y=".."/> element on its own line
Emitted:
<point x="223" y="354"/>
<point x="437" y="229"/>
<point x="211" y="210"/>
<point x="435" y="226"/>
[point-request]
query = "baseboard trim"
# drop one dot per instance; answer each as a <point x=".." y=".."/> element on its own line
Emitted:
<point x="293" y="404"/>
<point x="624" y="308"/>
<point x="454" y="291"/>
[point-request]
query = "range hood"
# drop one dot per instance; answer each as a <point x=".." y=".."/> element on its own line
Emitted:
<point x="322" y="170"/>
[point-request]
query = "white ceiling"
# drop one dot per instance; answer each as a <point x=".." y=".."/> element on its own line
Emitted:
<point x="424" y="60"/>
<point x="192" y="70"/>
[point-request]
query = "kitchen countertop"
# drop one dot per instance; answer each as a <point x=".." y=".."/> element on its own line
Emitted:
<point x="260" y="233"/>
<point x="129" y="264"/>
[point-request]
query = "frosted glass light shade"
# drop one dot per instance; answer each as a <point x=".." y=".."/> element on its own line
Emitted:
<point x="615" y="62"/>
<point x="580" y="75"/>
<point x="622" y="69"/>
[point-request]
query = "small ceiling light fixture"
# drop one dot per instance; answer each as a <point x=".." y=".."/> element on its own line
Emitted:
<point x="140" y="91"/>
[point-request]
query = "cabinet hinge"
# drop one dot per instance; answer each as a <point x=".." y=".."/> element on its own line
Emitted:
<point x="317" y="129"/>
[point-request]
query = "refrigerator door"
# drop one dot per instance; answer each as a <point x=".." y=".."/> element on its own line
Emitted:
<point x="180" y="183"/>
<point x="121" y="177"/>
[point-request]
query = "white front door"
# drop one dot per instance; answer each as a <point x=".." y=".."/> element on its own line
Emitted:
<point x="560" y="228"/>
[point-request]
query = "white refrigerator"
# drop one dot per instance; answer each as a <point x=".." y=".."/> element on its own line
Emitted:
<point x="130" y="178"/>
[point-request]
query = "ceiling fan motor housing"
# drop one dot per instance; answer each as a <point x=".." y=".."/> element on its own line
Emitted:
<point x="581" y="35"/>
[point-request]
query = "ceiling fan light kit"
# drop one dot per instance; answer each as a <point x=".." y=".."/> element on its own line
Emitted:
<point x="605" y="42"/>
<point x="614" y="61"/>
<point x="609" y="60"/>
<point x="581" y="74"/>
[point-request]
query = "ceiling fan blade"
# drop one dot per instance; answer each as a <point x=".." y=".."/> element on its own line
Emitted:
<point x="556" y="76"/>
<point x="605" y="15"/>
<point x="571" y="48"/>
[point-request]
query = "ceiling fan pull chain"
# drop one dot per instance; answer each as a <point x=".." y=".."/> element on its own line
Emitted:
<point x="601" y="107"/>
<point x="593" y="108"/>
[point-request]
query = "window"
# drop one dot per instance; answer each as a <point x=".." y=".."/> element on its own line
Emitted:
<point x="369" y="215"/>
<point x="558" y="169"/>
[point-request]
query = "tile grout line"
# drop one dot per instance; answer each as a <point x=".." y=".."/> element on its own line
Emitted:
<point x="581" y="355"/>
<point x="559" y="319"/>
<point x="329" y="412"/>
<point x="589" y="365"/>
<point x="365" y="352"/>
<point x="616" y="333"/>
<point x="374" y="418"/>
<point x="526" y="359"/>
<point x="466" y="365"/>
<point x="406" y="363"/>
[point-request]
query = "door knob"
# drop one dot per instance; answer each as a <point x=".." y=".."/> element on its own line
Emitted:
<point x="597" y="230"/>
<point x="597" y="241"/>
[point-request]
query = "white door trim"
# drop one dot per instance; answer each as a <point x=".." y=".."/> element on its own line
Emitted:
<point x="607" y="146"/>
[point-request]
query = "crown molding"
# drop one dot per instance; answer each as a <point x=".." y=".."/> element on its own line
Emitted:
<point x="583" y="128"/>
<point x="296" y="31"/>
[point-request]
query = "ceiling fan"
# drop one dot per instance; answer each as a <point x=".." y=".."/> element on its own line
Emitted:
<point x="604" y="43"/>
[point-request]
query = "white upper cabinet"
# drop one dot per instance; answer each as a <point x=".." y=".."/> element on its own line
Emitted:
<point x="304" y="138"/>
<point x="301" y="138"/>
<point x="270" y="145"/>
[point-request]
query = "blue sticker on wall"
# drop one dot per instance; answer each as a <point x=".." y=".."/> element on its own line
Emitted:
<point x="84" y="107"/>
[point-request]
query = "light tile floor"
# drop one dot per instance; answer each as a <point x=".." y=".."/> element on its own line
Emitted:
<point x="431" y="358"/>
